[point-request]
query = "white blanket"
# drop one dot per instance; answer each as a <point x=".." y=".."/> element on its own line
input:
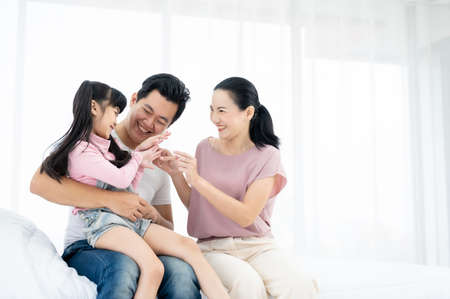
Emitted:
<point x="359" y="279"/>
<point x="32" y="268"/>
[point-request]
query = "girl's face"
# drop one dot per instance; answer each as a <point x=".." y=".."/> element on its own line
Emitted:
<point x="104" y="119"/>
<point x="227" y="117"/>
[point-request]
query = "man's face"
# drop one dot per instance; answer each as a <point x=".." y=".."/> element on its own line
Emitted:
<point x="150" y="116"/>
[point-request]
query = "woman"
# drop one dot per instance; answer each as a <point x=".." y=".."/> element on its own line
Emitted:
<point x="229" y="189"/>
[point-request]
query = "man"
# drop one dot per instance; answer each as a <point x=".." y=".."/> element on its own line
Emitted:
<point x="159" y="103"/>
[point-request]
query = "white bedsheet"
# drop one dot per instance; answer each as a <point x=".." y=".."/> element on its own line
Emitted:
<point x="32" y="268"/>
<point x="356" y="279"/>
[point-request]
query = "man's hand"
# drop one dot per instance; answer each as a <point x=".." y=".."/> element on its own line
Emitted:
<point x="151" y="213"/>
<point x="129" y="205"/>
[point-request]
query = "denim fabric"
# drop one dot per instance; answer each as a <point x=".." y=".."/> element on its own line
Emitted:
<point x="99" y="221"/>
<point x="116" y="274"/>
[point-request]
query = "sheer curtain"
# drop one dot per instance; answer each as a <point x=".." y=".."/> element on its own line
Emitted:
<point x="357" y="90"/>
<point x="429" y="97"/>
<point x="371" y="130"/>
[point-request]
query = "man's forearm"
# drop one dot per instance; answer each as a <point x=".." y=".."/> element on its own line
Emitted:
<point x="161" y="215"/>
<point x="75" y="194"/>
<point x="164" y="222"/>
<point x="182" y="188"/>
<point x="69" y="192"/>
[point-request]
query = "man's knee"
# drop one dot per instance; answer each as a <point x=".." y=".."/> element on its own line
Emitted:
<point x="120" y="278"/>
<point x="179" y="280"/>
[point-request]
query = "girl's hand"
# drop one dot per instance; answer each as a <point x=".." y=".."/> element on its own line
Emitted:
<point x="152" y="141"/>
<point x="188" y="165"/>
<point x="167" y="162"/>
<point x="149" y="156"/>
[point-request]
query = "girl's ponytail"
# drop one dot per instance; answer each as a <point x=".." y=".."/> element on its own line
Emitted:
<point x="55" y="165"/>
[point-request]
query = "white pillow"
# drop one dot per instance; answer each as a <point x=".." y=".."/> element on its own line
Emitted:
<point x="32" y="268"/>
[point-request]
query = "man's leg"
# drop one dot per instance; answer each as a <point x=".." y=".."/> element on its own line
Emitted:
<point x="115" y="274"/>
<point x="179" y="280"/>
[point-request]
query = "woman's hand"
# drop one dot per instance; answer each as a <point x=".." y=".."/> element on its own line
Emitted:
<point x="152" y="141"/>
<point x="188" y="165"/>
<point x="166" y="162"/>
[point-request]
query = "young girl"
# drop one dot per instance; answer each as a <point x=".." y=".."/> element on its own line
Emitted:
<point x="87" y="153"/>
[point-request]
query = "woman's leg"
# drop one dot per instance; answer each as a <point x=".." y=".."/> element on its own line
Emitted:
<point x="241" y="280"/>
<point x="126" y="241"/>
<point x="166" y="242"/>
<point x="280" y="275"/>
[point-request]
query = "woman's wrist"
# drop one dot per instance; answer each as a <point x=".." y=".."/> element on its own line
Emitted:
<point x="196" y="180"/>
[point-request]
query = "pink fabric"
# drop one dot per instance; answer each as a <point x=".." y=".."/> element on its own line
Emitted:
<point x="233" y="175"/>
<point x="89" y="162"/>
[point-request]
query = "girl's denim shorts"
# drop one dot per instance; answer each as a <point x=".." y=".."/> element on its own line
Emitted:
<point x="99" y="221"/>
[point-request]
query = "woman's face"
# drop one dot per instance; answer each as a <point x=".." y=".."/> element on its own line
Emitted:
<point x="227" y="117"/>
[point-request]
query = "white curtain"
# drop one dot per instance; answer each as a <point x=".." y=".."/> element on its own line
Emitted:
<point x="371" y="129"/>
<point x="356" y="88"/>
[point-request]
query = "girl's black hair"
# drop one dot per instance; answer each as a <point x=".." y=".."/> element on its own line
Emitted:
<point x="244" y="94"/>
<point x="55" y="165"/>
<point x="121" y="157"/>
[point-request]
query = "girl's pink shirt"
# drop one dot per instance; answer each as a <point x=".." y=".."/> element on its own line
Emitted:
<point x="89" y="163"/>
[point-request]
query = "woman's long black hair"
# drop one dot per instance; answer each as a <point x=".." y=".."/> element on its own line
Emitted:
<point x="55" y="165"/>
<point x="244" y="94"/>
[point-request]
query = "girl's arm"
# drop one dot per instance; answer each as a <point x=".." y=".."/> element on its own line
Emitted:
<point x="137" y="177"/>
<point x="90" y="162"/>
<point x="148" y="155"/>
<point x="242" y="212"/>
<point x="75" y="194"/>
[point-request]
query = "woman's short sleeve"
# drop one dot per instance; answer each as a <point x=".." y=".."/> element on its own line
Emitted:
<point x="273" y="167"/>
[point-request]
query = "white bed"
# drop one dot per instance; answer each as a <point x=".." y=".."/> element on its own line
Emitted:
<point x="32" y="268"/>
<point x="351" y="279"/>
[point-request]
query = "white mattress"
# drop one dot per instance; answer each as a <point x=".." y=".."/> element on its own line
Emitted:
<point x="347" y="279"/>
